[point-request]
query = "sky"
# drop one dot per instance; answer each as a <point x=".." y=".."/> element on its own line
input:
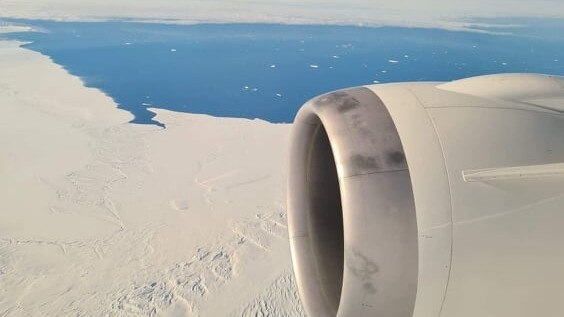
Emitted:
<point x="450" y="14"/>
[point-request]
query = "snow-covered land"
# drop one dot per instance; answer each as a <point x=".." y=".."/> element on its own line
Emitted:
<point x="99" y="217"/>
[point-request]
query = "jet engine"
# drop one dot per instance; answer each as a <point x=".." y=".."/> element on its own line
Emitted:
<point x="430" y="199"/>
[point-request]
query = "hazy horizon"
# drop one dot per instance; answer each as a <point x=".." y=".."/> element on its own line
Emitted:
<point x="432" y="13"/>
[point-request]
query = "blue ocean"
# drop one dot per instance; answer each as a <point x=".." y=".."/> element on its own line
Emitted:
<point x="269" y="71"/>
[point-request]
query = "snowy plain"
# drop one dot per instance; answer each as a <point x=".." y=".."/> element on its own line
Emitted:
<point x="100" y="217"/>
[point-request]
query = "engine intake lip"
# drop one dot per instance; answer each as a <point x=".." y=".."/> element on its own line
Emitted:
<point x="351" y="214"/>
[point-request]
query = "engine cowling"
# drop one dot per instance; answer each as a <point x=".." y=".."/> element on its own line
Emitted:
<point x="430" y="199"/>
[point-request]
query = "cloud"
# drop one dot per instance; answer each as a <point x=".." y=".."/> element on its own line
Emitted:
<point x="430" y="13"/>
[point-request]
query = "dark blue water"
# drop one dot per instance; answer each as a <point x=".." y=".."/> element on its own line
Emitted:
<point x="269" y="71"/>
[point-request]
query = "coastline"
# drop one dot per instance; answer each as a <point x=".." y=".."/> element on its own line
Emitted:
<point x="105" y="217"/>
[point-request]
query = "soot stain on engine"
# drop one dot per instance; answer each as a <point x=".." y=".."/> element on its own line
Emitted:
<point x="329" y="99"/>
<point x="364" y="163"/>
<point x="396" y="158"/>
<point x="369" y="287"/>
<point x="358" y="124"/>
<point x="363" y="268"/>
<point x="343" y="101"/>
<point x="347" y="104"/>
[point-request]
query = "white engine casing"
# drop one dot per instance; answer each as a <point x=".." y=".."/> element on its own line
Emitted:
<point x="431" y="199"/>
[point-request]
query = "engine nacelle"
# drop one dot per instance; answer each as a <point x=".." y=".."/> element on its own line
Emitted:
<point x="430" y="199"/>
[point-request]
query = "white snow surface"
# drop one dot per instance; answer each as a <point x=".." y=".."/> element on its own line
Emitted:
<point x="100" y="217"/>
<point x="447" y="14"/>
